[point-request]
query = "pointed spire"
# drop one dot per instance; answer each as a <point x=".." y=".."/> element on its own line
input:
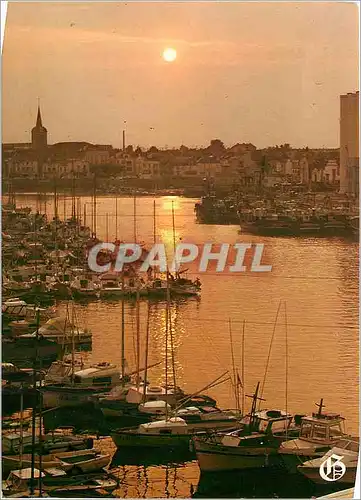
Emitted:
<point x="38" y="118"/>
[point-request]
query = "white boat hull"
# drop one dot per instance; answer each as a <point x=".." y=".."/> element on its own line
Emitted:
<point x="212" y="458"/>
<point x="313" y="473"/>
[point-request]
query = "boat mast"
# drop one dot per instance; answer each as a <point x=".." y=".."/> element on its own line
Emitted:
<point x="21" y="425"/>
<point x="243" y="366"/>
<point x="270" y="348"/>
<point x="33" y="415"/>
<point x="73" y="210"/>
<point x="174" y="244"/>
<point x="106" y="227"/>
<point x="320" y="406"/>
<point x="235" y="384"/>
<point x="123" y="332"/>
<point x="286" y="367"/>
<point x="72" y="345"/>
<point x="171" y="338"/>
<point x="116" y="218"/>
<point x="166" y="348"/>
<point x="94" y="206"/>
<point x="146" y="356"/>
<point x="154" y="224"/>
<point x="135" y="218"/>
<point x="138" y="337"/>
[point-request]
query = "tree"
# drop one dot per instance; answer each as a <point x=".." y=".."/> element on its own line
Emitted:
<point x="216" y="147"/>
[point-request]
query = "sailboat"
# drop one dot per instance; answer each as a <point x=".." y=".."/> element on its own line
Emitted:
<point x="254" y="445"/>
<point x="319" y="432"/>
<point x="181" y="423"/>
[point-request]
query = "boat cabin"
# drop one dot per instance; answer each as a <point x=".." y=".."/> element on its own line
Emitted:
<point x="269" y="421"/>
<point x="60" y="371"/>
<point x="173" y="426"/>
<point x="155" y="407"/>
<point x="152" y="393"/>
<point x="11" y="442"/>
<point x="99" y="375"/>
<point x="15" y="307"/>
<point x="20" y="479"/>
<point x="324" y="427"/>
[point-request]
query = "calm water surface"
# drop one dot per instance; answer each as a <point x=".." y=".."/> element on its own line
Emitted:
<point x="314" y="279"/>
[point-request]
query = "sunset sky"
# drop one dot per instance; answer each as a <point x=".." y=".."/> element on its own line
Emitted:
<point x="266" y="73"/>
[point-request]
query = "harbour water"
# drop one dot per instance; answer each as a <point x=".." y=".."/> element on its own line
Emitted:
<point x="313" y="285"/>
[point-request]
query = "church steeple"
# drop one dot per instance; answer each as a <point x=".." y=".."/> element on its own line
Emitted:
<point x="38" y="118"/>
<point x="39" y="142"/>
<point x="39" y="134"/>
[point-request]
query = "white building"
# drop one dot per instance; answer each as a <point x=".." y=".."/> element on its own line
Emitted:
<point x="331" y="173"/>
<point x="66" y="169"/>
<point x="147" y="168"/>
<point x="97" y="156"/>
<point x="127" y="162"/>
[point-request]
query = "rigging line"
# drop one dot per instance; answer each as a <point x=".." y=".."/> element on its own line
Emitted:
<point x="234" y="382"/>
<point x="269" y="351"/>
<point x="202" y="320"/>
<point x="286" y="353"/>
<point x="256" y="275"/>
<point x="250" y="322"/>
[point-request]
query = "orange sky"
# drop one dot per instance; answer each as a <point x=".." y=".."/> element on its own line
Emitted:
<point x="266" y="73"/>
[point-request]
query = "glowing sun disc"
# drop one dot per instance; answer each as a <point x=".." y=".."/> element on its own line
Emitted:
<point x="169" y="54"/>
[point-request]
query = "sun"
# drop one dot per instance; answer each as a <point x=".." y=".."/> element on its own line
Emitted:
<point x="169" y="54"/>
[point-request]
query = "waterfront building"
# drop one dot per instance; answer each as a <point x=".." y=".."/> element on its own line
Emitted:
<point x="349" y="143"/>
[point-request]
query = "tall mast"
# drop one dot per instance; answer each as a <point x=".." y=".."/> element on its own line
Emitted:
<point x="243" y="366"/>
<point x="116" y="217"/>
<point x="106" y="227"/>
<point x="94" y="206"/>
<point x="146" y="355"/>
<point x="173" y="224"/>
<point x="135" y="218"/>
<point x="123" y="332"/>
<point x="21" y="424"/>
<point x="233" y="367"/>
<point x="154" y="224"/>
<point x="138" y="336"/>
<point x="166" y="348"/>
<point x="34" y="392"/>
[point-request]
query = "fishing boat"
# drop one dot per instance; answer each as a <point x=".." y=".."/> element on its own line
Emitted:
<point x="64" y="332"/>
<point x="82" y="384"/>
<point x="24" y="349"/>
<point x="173" y="433"/>
<point x="176" y="431"/>
<point x="208" y="417"/>
<point x="254" y="445"/>
<point x="14" y="308"/>
<point x="13" y="442"/>
<point x="56" y="482"/>
<point x="319" y="432"/>
<point x="80" y="461"/>
<point x="125" y="399"/>
<point x="347" y="451"/>
<point x="112" y="285"/>
<point x="85" y="288"/>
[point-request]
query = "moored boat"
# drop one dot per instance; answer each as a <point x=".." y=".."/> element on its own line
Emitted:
<point x="346" y="451"/>
<point x="77" y="387"/>
<point x="319" y="432"/>
<point x="254" y="445"/>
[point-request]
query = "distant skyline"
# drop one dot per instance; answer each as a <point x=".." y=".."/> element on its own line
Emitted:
<point x="265" y="73"/>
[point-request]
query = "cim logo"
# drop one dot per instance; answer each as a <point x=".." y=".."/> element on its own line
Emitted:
<point x="332" y="468"/>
